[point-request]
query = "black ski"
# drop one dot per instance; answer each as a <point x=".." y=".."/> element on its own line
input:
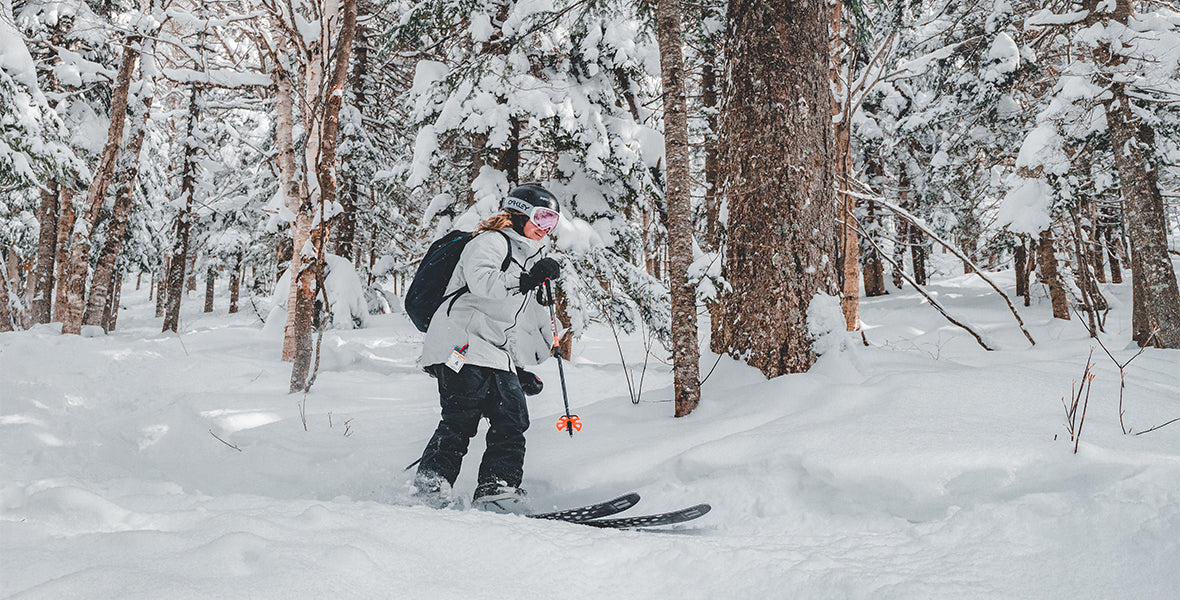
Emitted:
<point x="668" y="518"/>
<point x="593" y="511"/>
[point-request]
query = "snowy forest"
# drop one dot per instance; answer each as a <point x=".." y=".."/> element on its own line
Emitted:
<point x="945" y="210"/>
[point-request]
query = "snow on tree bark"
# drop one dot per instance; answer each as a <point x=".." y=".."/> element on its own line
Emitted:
<point x="777" y="144"/>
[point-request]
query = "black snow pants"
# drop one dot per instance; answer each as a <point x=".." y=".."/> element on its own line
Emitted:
<point x="467" y="396"/>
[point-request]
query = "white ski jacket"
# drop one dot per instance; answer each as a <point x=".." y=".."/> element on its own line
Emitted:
<point x="500" y="327"/>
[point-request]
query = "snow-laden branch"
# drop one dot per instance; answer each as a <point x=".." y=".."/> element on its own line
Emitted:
<point x="222" y="78"/>
<point x="1046" y="18"/>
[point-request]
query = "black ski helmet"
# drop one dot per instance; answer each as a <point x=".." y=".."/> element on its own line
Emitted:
<point x="532" y="193"/>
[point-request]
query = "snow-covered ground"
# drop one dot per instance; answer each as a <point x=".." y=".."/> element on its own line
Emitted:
<point x="920" y="466"/>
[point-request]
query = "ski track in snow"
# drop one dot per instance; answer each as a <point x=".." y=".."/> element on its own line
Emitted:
<point x="919" y="467"/>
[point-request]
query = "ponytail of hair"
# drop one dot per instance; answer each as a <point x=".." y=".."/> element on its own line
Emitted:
<point x="495" y="222"/>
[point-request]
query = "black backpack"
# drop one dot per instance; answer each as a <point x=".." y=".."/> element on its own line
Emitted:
<point x="428" y="290"/>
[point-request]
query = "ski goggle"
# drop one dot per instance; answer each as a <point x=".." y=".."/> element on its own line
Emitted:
<point x="544" y="218"/>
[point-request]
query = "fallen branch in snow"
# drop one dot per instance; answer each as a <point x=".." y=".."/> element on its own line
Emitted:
<point x="916" y="222"/>
<point x="256" y="313"/>
<point x="1158" y="426"/>
<point x="224" y="442"/>
<point x="901" y="271"/>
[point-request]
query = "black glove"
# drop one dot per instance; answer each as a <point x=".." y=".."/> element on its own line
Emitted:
<point x="543" y="269"/>
<point x="530" y="383"/>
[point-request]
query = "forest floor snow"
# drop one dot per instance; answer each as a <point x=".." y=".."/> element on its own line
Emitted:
<point x="919" y="466"/>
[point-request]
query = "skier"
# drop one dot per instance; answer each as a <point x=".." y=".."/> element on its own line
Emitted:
<point x="478" y="343"/>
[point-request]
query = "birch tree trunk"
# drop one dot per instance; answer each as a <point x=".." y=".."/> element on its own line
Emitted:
<point x="777" y="144"/>
<point x="78" y="264"/>
<point x="321" y="121"/>
<point x="65" y="224"/>
<point x="685" y="349"/>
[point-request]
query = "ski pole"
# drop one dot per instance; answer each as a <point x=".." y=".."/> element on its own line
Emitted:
<point x="568" y="422"/>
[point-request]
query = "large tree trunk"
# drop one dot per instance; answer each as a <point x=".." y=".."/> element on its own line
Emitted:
<point x="104" y="270"/>
<point x="1047" y="261"/>
<point x="178" y="260"/>
<point x="78" y="264"/>
<point x="685" y="349"/>
<point x="1157" y="297"/>
<point x="42" y="301"/>
<point x="1146" y="222"/>
<point x="777" y="143"/>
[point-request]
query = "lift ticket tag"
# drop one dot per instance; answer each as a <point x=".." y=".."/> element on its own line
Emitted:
<point x="458" y="357"/>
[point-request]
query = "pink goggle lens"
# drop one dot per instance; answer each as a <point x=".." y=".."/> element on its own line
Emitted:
<point x="545" y="218"/>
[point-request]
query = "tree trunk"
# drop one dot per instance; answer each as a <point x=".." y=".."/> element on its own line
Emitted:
<point x="1052" y="277"/>
<point x="871" y="263"/>
<point x="78" y="264"/>
<point x="1033" y="250"/>
<point x="685" y="348"/>
<point x="5" y="311"/>
<point x="235" y="284"/>
<point x="846" y="232"/>
<point x="918" y="254"/>
<point x="111" y="312"/>
<point x="713" y="228"/>
<point x="162" y="288"/>
<point x="178" y="260"/>
<point x="1146" y="222"/>
<point x="1114" y="248"/>
<point x="320" y="159"/>
<point x="777" y="144"/>
<point x="190" y="279"/>
<point x="65" y="224"/>
<point x="289" y="185"/>
<point x="128" y="170"/>
<point x="42" y="301"/>
<point x="1020" y="261"/>
<point x="210" y="280"/>
<point x="1143" y="209"/>
<point x="1094" y="243"/>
